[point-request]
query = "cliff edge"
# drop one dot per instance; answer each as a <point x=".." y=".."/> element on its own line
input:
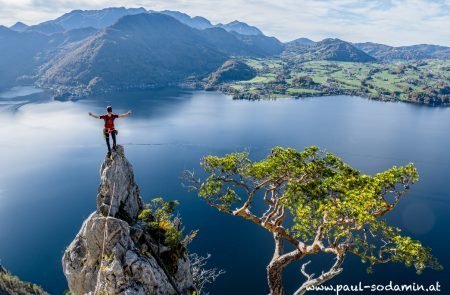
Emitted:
<point x="12" y="285"/>
<point x="114" y="252"/>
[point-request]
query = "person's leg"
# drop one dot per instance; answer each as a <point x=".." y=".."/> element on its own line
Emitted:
<point x="113" y="134"/>
<point x="107" y="141"/>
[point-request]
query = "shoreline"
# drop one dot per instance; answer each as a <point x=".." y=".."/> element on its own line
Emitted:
<point x="79" y="93"/>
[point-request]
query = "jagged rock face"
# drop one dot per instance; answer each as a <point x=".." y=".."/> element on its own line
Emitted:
<point x="128" y="265"/>
<point x="118" y="189"/>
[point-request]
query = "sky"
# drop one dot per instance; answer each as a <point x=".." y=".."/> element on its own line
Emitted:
<point x="393" y="22"/>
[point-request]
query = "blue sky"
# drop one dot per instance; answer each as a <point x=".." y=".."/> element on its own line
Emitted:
<point x="394" y="22"/>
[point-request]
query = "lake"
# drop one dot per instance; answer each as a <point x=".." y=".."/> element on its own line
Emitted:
<point x="51" y="152"/>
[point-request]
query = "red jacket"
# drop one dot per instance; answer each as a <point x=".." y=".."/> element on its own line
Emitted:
<point x="109" y="121"/>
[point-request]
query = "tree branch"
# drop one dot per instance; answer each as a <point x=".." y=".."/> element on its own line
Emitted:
<point x="246" y="214"/>
<point x="334" y="271"/>
<point x="303" y="271"/>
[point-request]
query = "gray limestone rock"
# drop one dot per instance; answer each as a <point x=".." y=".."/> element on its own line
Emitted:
<point x="118" y="194"/>
<point x="128" y="264"/>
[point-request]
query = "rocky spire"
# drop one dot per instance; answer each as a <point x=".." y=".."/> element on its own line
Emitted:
<point x="118" y="194"/>
<point x="128" y="264"/>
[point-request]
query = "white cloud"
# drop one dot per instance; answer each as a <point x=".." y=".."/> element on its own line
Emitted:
<point x="396" y="22"/>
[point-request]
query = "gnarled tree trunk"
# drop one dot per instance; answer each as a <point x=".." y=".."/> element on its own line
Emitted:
<point x="274" y="277"/>
<point x="277" y="265"/>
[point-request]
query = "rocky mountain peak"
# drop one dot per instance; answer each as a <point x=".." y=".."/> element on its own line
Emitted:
<point x="118" y="195"/>
<point x="114" y="252"/>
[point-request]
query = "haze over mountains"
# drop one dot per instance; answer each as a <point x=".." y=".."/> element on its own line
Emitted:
<point x="100" y="19"/>
<point x="116" y="48"/>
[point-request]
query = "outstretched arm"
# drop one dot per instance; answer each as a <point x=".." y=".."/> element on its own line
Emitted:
<point x="125" y="115"/>
<point x="94" y="115"/>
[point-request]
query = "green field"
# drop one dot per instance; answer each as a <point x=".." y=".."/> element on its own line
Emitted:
<point x="426" y="82"/>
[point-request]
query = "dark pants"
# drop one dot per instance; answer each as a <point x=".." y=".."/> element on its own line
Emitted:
<point x="113" y="135"/>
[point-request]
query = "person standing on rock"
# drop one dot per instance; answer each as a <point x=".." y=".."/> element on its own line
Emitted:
<point x="108" y="129"/>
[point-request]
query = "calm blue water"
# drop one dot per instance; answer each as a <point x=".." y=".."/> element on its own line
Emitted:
<point x="50" y="153"/>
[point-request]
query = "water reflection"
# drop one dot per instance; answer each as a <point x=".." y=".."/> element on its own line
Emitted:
<point x="20" y="91"/>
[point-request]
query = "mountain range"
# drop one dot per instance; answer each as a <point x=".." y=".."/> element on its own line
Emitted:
<point x="92" y="48"/>
<point x="113" y="48"/>
<point x="103" y="18"/>
<point x="414" y="52"/>
<point x="380" y="52"/>
<point x="163" y="51"/>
